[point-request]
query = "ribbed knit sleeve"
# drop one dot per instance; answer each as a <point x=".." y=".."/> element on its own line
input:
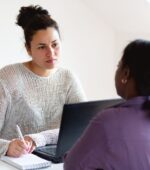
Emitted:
<point x="45" y="137"/>
<point x="4" y="102"/>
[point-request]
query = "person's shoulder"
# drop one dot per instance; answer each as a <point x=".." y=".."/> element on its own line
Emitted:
<point x="112" y="113"/>
<point x="9" y="68"/>
<point x="9" y="72"/>
<point x="66" y="73"/>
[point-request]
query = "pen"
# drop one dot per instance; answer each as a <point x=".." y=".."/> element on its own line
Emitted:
<point x="20" y="134"/>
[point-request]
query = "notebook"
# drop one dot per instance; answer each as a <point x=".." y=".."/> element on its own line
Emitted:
<point x="75" y="119"/>
<point x="26" y="162"/>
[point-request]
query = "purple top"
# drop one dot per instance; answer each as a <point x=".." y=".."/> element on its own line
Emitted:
<point x="118" y="138"/>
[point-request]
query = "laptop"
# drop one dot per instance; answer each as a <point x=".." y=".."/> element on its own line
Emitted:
<point x="75" y="119"/>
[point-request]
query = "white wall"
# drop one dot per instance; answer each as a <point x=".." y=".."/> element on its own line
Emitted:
<point x="123" y="38"/>
<point x="88" y="43"/>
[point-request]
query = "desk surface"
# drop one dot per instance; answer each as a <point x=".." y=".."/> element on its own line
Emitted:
<point x="5" y="166"/>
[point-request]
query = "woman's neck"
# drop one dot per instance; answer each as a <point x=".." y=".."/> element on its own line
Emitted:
<point x="38" y="70"/>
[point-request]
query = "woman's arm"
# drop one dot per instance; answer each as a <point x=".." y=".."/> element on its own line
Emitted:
<point x="44" y="137"/>
<point x="14" y="147"/>
<point x="4" y="100"/>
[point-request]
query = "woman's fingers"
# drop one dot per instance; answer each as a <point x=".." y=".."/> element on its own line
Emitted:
<point x="31" y="143"/>
<point x="16" y="148"/>
<point x="32" y="149"/>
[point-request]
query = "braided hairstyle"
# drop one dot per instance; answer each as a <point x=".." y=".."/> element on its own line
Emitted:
<point x="34" y="18"/>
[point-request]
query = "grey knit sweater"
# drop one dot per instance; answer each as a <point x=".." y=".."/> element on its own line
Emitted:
<point x="34" y="103"/>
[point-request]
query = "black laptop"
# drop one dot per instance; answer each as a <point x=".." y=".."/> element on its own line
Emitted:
<point x="75" y="119"/>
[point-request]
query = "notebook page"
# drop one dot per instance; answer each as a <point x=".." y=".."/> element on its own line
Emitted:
<point x="28" y="161"/>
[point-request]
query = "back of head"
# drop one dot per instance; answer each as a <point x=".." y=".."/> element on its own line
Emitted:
<point x="34" y="18"/>
<point x="137" y="58"/>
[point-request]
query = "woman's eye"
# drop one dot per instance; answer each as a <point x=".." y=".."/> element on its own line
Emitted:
<point x="41" y="47"/>
<point x="55" y="45"/>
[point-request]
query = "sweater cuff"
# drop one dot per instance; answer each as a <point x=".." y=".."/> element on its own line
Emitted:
<point x="45" y="137"/>
<point x="38" y="138"/>
<point x="4" y="144"/>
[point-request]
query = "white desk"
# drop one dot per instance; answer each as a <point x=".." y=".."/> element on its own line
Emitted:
<point x="5" y="166"/>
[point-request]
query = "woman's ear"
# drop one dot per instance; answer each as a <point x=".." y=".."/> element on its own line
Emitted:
<point x="126" y="75"/>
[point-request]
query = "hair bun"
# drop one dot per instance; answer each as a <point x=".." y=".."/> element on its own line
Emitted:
<point x="26" y="14"/>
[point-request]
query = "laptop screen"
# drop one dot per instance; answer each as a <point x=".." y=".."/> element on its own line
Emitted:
<point x="75" y="119"/>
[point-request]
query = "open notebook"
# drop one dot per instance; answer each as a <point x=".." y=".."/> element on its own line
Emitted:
<point x="26" y="162"/>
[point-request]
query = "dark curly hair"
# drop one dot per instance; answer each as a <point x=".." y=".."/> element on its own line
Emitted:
<point x="34" y="18"/>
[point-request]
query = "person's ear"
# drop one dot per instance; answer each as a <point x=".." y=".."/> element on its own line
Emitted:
<point x="126" y="75"/>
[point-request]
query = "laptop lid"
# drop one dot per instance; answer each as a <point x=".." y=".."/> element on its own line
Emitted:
<point x="75" y="118"/>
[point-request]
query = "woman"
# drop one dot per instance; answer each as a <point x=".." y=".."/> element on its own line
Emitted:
<point x="32" y="94"/>
<point x="118" y="138"/>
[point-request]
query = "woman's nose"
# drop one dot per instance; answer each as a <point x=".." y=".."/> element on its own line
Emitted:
<point x="50" y="51"/>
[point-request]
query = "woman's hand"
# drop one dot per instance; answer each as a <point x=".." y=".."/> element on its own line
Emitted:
<point x="17" y="148"/>
<point x="32" y="143"/>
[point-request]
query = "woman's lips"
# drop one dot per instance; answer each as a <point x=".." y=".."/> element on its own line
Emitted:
<point x="51" y="61"/>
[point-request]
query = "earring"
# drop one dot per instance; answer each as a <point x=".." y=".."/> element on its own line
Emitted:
<point x="123" y="81"/>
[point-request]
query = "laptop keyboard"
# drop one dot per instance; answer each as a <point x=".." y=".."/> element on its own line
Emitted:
<point x="51" y="150"/>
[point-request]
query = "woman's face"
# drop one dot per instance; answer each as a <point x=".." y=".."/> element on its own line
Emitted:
<point x="125" y="83"/>
<point x="45" y="49"/>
